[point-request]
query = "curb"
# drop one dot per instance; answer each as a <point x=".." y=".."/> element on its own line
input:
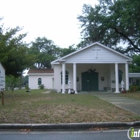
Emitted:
<point x="70" y="126"/>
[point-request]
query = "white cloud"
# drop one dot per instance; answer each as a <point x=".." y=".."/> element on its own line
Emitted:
<point x="56" y="20"/>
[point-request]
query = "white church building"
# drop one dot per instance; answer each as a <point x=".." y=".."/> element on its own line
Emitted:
<point x="92" y="68"/>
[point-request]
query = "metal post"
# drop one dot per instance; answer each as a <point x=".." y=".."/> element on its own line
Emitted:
<point x="2" y="96"/>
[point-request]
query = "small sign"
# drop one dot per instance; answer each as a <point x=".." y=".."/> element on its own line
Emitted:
<point x="2" y="77"/>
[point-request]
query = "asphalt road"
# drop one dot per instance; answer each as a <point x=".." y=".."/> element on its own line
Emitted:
<point x="82" y="135"/>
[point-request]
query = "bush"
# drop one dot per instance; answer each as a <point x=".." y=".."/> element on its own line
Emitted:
<point x="41" y="86"/>
<point x="27" y="87"/>
<point x="133" y="88"/>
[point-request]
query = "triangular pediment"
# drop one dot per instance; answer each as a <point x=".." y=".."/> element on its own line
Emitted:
<point x="95" y="53"/>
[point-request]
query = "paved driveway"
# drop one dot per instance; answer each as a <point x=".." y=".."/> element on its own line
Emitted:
<point x="129" y="104"/>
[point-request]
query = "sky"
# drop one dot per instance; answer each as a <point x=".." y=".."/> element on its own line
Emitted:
<point x="54" y="19"/>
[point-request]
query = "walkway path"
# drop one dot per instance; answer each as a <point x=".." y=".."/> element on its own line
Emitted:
<point x="129" y="104"/>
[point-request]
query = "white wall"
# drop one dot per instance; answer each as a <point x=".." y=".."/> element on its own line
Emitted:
<point x="47" y="80"/>
<point x="95" y="54"/>
<point x="57" y="78"/>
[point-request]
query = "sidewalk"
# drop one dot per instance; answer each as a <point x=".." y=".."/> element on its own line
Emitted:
<point x="128" y="104"/>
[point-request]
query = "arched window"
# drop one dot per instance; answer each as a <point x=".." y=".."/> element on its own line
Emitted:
<point x="39" y="81"/>
<point x="66" y="77"/>
<point x="120" y="76"/>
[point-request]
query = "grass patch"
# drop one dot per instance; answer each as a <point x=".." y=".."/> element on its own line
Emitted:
<point x="134" y="95"/>
<point x="38" y="107"/>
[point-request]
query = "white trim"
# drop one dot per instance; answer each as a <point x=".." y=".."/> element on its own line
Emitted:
<point x="63" y="77"/>
<point x="126" y="76"/>
<point x="116" y="78"/>
<point x="74" y="77"/>
<point x="102" y="62"/>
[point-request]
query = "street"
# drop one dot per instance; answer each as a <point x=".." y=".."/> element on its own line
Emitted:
<point x="65" y="135"/>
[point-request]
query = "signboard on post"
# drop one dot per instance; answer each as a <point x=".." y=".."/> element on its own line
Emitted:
<point x="2" y="82"/>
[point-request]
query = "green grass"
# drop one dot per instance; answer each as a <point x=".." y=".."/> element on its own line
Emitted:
<point x="134" y="95"/>
<point x="39" y="107"/>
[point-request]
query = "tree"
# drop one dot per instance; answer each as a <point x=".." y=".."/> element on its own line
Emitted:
<point x="12" y="82"/>
<point x="45" y="52"/>
<point x="112" y="22"/>
<point x="135" y="66"/>
<point x="25" y="80"/>
<point x="66" y="51"/>
<point x="13" y="52"/>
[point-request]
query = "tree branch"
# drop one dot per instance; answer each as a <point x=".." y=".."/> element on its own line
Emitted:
<point x="131" y="42"/>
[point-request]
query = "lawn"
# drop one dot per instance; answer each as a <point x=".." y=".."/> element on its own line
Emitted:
<point x="134" y="95"/>
<point x="39" y="107"/>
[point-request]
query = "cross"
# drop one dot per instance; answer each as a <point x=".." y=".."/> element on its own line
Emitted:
<point x="96" y="52"/>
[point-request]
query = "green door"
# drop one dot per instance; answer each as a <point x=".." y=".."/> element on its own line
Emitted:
<point x="89" y="81"/>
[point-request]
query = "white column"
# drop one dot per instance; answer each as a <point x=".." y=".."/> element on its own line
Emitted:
<point x="116" y="78"/>
<point x="63" y="78"/>
<point x="126" y="77"/>
<point x="74" y="78"/>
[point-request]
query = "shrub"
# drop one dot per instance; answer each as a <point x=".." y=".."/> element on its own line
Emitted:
<point x="133" y="88"/>
<point x="27" y="87"/>
<point x="41" y="86"/>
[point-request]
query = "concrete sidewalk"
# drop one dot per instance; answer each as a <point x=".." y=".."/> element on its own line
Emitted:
<point x="128" y="104"/>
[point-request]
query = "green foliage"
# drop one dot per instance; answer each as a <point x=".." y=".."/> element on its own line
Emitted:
<point x="27" y="87"/>
<point x="112" y="22"/>
<point x="44" y="50"/>
<point x="41" y="86"/>
<point x="12" y="82"/>
<point x="135" y="66"/>
<point x="66" y="51"/>
<point x="13" y="51"/>
<point x="133" y="88"/>
<point x="25" y="80"/>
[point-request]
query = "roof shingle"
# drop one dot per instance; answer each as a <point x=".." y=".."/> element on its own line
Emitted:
<point x="41" y="71"/>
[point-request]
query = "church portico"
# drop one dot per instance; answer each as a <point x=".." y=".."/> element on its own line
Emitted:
<point x="94" y="77"/>
<point x="93" y="68"/>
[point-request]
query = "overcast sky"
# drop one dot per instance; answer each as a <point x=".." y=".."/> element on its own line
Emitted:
<point x="54" y="19"/>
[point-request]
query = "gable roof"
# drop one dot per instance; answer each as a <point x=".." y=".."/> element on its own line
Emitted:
<point x="91" y="45"/>
<point x="41" y="71"/>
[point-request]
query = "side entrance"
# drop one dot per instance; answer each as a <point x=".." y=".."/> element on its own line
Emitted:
<point x="90" y="81"/>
